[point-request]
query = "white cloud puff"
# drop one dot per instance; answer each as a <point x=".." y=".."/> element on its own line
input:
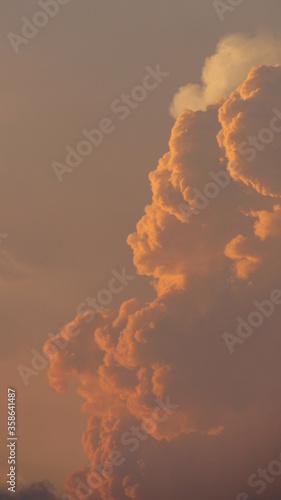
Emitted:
<point x="226" y="69"/>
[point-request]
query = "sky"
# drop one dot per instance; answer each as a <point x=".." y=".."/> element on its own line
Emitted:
<point x="140" y="248"/>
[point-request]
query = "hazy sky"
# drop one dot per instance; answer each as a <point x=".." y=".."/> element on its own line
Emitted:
<point x="66" y="241"/>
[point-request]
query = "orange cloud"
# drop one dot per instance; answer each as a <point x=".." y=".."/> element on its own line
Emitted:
<point x="166" y="358"/>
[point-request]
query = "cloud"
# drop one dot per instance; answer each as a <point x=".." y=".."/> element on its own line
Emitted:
<point x="207" y="271"/>
<point x="251" y="130"/>
<point x="226" y="69"/>
<point x="36" y="491"/>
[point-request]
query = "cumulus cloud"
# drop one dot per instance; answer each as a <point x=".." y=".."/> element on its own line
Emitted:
<point x="226" y="69"/>
<point x="171" y="413"/>
<point x="251" y="130"/>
